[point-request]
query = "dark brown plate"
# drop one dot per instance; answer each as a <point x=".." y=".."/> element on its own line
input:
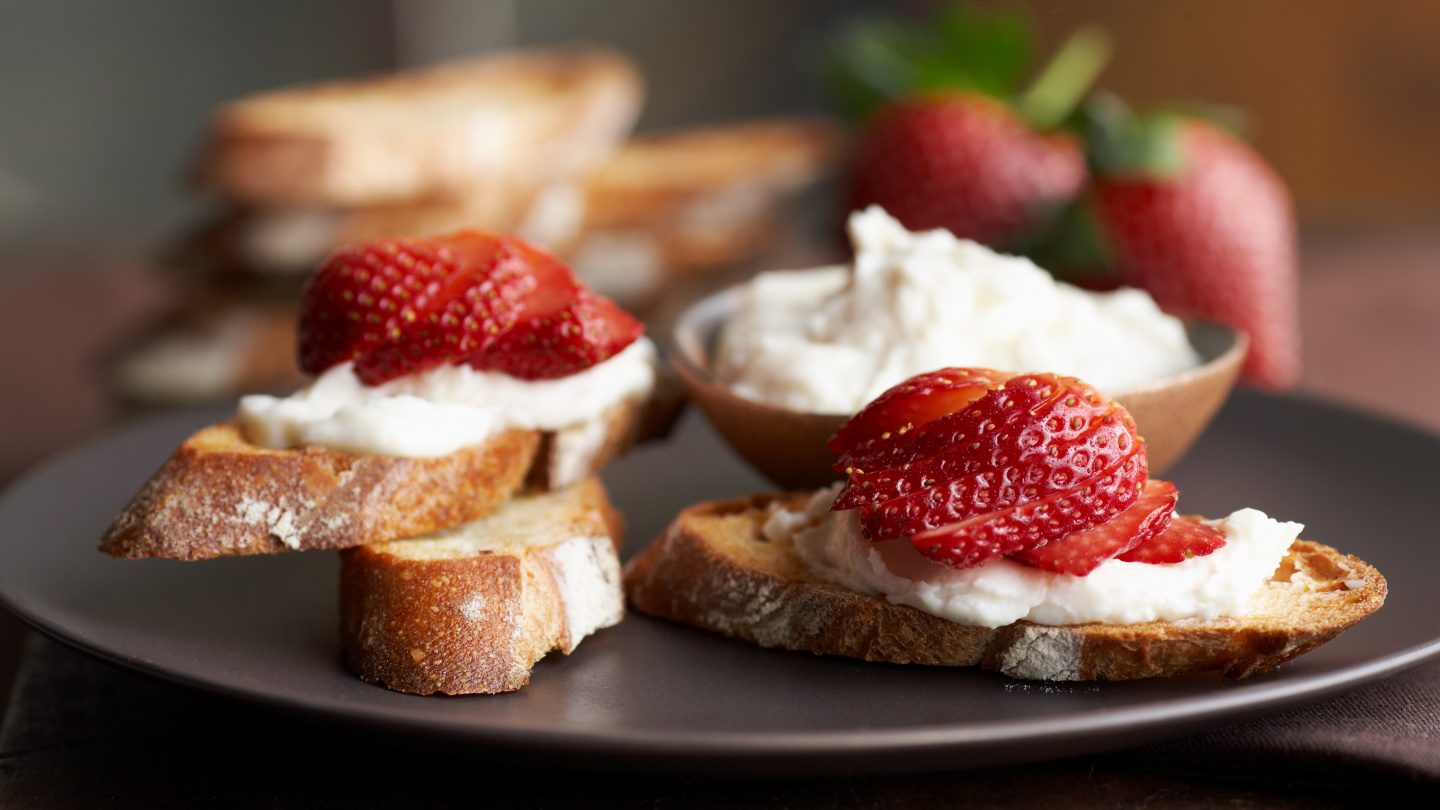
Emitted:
<point x="652" y="695"/>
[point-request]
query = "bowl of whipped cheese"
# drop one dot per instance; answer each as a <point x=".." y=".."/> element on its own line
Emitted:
<point x="779" y="363"/>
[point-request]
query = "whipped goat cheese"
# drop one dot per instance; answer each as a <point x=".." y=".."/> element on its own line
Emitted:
<point x="830" y="340"/>
<point x="1002" y="591"/>
<point x="442" y="410"/>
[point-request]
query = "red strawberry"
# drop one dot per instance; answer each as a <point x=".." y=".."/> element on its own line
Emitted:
<point x="1036" y="431"/>
<point x="1213" y="237"/>
<point x="555" y="283"/>
<point x="951" y="138"/>
<point x="1030" y="461"/>
<point x="1184" y="538"/>
<point x="562" y="327"/>
<point x="1033" y="523"/>
<point x="1081" y="552"/>
<point x="403" y="305"/>
<point x="587" y="330"/>
<point x="964" y="162"/>
<point x="910" y="404"/>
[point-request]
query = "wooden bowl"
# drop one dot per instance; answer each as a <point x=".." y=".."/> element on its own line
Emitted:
<point x="788" y="446"/>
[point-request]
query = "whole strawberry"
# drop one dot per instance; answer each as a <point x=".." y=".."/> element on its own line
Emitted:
<point x="964" y="162"/>
<point x="949" y="140"/>
<point x="1195" y="216"/>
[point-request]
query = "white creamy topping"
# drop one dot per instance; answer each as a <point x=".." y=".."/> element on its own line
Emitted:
<point x="830" y="340"/>
<point x="1001" y="591"/>
<point x="441" y="410"/>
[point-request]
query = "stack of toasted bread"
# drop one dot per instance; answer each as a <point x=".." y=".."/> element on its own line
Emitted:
<point x="528" y="142"/>
<point x="458" y="572"/>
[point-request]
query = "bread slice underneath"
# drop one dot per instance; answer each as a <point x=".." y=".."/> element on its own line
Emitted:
<point x="471" y="609"/>
<point x="713" y="568"/>
<point x="220" y="495"/>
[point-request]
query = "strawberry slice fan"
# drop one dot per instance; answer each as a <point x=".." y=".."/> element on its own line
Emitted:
<point x="972" y="464"/>
<point x="402" y="307"/>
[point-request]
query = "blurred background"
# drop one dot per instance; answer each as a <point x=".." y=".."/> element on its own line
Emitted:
<point x="107" y="104"/>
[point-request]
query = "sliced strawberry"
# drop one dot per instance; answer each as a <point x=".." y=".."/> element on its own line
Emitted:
<point x="1034" y="435"/>
<point x="361" y="295"/>
<point x="555" y="283"/>
<point x="1081" y="552"/>
<point x="1026" y="397"/>
<point x="402" y="305"/>
<point x="976" y="489"/>
<point x="478" y="303"/>
<point x="585" y="331"/>
<point x="1184" y="538"/>
<point x="1033" y="523"/>
<point x="912" y="403"/>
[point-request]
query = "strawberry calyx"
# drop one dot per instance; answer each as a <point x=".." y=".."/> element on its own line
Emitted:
<point x="871" y="63"/>
<point x="1123" y="143"/>
<point x="973" y="464"/>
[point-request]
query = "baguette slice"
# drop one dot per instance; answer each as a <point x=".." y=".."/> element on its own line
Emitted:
<point x="220" y="495"/>
<point x="508" y="121"/>
<point x="714" y="569"/>
<point x="470" y="610"/>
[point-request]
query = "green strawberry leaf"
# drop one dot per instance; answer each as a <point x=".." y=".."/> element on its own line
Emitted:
<point x="871" y="62"/>
<point x="1054" y="95"/>
<point x="1071" y="247"/>
<point x="987" y="52"/>
<point x="1120" y="143"/>
<point x="967" y="49"/>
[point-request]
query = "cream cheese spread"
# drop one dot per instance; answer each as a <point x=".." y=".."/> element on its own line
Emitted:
<point x="442" y="410"/>
<point x="1001" y="591"/>
<point x="830" y="340"/>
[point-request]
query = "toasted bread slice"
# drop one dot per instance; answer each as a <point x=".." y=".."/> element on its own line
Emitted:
<point x="710" y="176"/>
<point x="509" y="121"/>
<point x="470" y="610"/>
<point x="714" y="568"/>
<point x="220" y="495"/>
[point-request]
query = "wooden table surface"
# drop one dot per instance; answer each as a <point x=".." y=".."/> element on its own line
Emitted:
<point x="1371" y="315"/>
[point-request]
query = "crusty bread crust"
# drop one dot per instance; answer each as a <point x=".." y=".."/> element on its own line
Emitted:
<point x="422" y="618"/>
<point x="512" y="120"/>
<point x="714" y="569"/>
<point x="220" y="495"/>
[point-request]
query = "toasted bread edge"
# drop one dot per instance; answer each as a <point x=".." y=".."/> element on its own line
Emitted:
<point x="700" y="572"/>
